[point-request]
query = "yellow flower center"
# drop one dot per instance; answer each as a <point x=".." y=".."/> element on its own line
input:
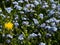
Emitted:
<point x="9" y="25"/>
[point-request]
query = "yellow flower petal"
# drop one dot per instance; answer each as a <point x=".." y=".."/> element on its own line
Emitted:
<point x="9" y="25"/>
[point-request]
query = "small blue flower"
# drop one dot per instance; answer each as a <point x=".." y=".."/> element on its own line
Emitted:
<point x="16" y="3"/>
<point x="16" y="24"/>
<point x="32" y="35"/>
<point x="43" y="25"/>
<point x="21" y="37"/>
<point x="36" y="2"/>
<point x="23" y="18"/>
<point x="52" y="19"/>
<point x="8" y="40"/>
<point x="10" y="36"/>
<point x="25" y="22"/>
<point x="21" y="1"/>
<point x="45" y="5"/>
<point x="32" y="5"/>
<point x="27" y="5"/>
<point x="53" y="6"/>
<point x="51" y="12"/>
<point x="18" y="7"/>
<point x="58" y="7"/>
<point x="26" y="9"/>
<point x="41" y="43"/>
<point x="26" y="0"/>
<point x="53" y="29"/>
<point x="47" y="21"/>
<point x="48" y="35"/>
<point x="21" y="12"/>
<point x="52" y="1"/>
<point x="41" y="16"/>
<point x="8" y="9"/>
<point x="35" y="21"/>
<point x="47" y="27"/>
<point x="57" y="21"/>
<point x="53" y="24"/>
<point x="31" y="10"/>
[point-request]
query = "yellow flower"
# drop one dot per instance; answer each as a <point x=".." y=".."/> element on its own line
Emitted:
<point x="8" y="25"/>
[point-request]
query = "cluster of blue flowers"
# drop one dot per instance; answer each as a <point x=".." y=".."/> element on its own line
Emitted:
<point x="36" y="22"/>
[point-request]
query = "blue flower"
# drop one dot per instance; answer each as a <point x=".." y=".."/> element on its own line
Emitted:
<point x="52" y="1"/>
<point x="48" y="35"/>
<point x="16" y="3"/>
<point x="51" y="12"/>
<point x="8" y="40"/>
<point x="36" y="2"/>
<point x="18" y="7"/>
<point x="53" y="29"/>
<point x="8" y="9"/>
<point x="43" y="25"/>
<point x="53" y="6"/>
<point x="35" y="21"/>
<point x="32" y="35"/>
<point x="27" y="5"/>
<point x="21" y="37"/>
<point x="26" y="0"/>
<point x="10" y="36"/>
<point x="58" y="7"/>
<point x="25" y="22"/>
<point x="53" y="24"/>
<point x="20" y="1"/>
<point x="16" y="24"/>
<point x="41" y="16"/>
<point x="41" y="43"/>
